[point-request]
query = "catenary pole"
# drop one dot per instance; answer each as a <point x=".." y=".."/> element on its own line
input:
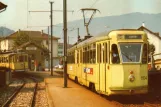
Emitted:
<point x="49" y="50"/>
<point x="51" y="19"/>
<point x="65" y="41"/>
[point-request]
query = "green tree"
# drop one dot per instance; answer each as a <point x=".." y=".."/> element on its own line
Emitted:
<point x="151" y="49"/>
<point x="21" y="39"/>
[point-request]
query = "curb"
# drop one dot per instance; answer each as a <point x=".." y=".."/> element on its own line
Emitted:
<point x="49" y="97"/>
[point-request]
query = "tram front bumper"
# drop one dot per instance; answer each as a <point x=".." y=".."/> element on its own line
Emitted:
<point x="128" y="91"/>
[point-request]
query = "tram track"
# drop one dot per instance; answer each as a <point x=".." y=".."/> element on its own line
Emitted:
<point x="23" y="96"/>
<point x="39" y="95"/>
<point x="35" y="92"/>
<point x="7" y="93"/>
<point x="9" y="100"/>
<point x="26" y="95"/>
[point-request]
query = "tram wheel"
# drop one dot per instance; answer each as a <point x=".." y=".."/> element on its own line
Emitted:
<point x="92" y="87"/>
<point x="76" y="80"/>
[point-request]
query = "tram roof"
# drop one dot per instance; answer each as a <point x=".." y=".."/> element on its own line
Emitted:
<point x="103" y="36"/>
<point x="11" y="53"/>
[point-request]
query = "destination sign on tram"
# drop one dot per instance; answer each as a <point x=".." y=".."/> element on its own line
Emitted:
<point x="133" y="37"/>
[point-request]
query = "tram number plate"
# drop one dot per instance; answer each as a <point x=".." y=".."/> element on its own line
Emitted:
<point x="144" y="78"/>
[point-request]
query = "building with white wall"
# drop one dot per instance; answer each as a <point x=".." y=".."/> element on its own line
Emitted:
<point x="154" y="38"/>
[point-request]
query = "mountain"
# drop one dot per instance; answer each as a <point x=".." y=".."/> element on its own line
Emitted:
<point x="5" y="31"/>
<point x="104" y="24"/>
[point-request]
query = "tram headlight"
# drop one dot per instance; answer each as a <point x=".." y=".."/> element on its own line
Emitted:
<point x="131" y="78"/>
<point x="131" y="72"/>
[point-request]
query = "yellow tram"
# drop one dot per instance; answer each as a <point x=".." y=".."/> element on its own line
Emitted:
<point x="14" y="61"/>
<point x="113" y="63"/>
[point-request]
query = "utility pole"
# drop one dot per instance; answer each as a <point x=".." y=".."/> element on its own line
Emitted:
<point x="65" y="41"/>
<point x="51" y="19"/>
<point x="48" y="50"/>
<point x="78" y="36"/>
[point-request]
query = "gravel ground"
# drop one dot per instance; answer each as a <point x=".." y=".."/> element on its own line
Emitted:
<point x="41" y="96"/>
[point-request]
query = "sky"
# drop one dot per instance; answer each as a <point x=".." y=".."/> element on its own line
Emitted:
<point x="19" y="13"/>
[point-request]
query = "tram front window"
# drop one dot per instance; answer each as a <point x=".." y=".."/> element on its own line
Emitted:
<point x="130" y="52"/>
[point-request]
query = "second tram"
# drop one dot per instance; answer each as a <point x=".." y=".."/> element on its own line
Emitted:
<point x="113" y="63"/>
<point x="14" y="61"/>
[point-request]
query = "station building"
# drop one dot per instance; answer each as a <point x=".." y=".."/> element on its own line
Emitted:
<point x="38" y="48"/>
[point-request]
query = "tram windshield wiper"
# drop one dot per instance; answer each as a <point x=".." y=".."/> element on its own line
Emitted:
<point x="126" y="56"/>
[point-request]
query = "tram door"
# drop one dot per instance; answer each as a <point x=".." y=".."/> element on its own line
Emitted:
<point x="102" y="56"/>
<point x="79" y="65"/>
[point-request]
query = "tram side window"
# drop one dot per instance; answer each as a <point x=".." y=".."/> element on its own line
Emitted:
<point x="21" y="58"/>
<point x="81" y="56"/>
<point x="25" y="58"/>
<point x="105" y="53"/>
<point x="85" y="55"/>
<point x="99" y="53"/>
<point x="115" y="55"/>
<point x="91" y="56"/>
<point x="73" y="57"/>
<point x="77" y="56"/>
<point x="2" y="59"/>
<point x="70" y="57"/>
<point x="144" y="55"/>
<point x="7" y="59"/>
<point x="94" y="55"/>
<point x="14" y="60"/>
<point x="10" y="59"/>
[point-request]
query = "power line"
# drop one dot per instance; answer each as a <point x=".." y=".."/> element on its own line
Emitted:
<point x="52" y="10"/>
<point x="94" y="3"/>
<point x="45" y="26"/>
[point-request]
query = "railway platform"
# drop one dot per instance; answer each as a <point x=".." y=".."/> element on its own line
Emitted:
<point x="74" y="95"/>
